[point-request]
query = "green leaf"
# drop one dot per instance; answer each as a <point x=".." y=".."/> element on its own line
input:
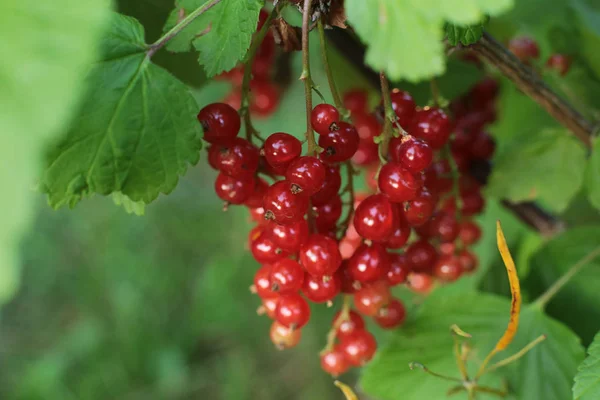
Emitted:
<point x="394" y="29"/>
<point x="592" y="176"/>
<point x="427" y="339"/>
<point x="587" y="380"/>
<point x="549" y="167"/>
<point x="47" y="49"/>
<point x="136" y="131"/>
<point x="131" y="207"/>
<point x="466" y="35"/>
<point x="183" y="41"/>
<point x="588" y="23"/>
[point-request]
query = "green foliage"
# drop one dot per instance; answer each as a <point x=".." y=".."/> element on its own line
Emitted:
<point x="549" y="166"/>
<point x="395" y="29"/>
<point x="46" y="50"/>
<point x="130" y="206"/>
<point x="588" y="24"/>
<point x="592" y="177"/>
<point x="467" y="34"/>
<point x="136" y="131"/>
<point x="587" y="380"/>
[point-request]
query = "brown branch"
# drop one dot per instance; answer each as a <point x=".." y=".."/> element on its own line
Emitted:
<point x="528" y="81"/>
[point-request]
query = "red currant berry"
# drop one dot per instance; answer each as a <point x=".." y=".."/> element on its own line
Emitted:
<point x="482" y="146"/>
<point x="265" y="251"/>
<point x="359" y="347"/>
<point x="392" y="315"/>
<point x="328" y="214"/>
<point x="261" y="71"/>
<point x="447" y="249"/>
<point x="421" y="256"/>
<point x="559" y="62"/>
<point x="340" y="144"/>
<point x="414" y="154"/>
<point x="334" y="362"/>
<point x="366" y="154"/>
<point x="319" y="290"/>
<point x="398" y="270"/>
<point x="289" y="237"/>
<point x="401" y="232"/>
<point x="239" y="159"/>
<point x="281" y="149"/>
<point x="284" y="337"/>
<point x="468" y="261"/>
<point x="438" y="177"/>
<point x="420" y="282"/>
<point x="375" y="218"/>
<point x="397" y="183"/>
<point x="484" y="92"/>
<point x="349" y="285"/>
<point x="347" y="327"/>
<point x="367" y="126"/>
<point x="258" y="215"/>
<point x="420" y="209"/>
<point x="329" y="188"/>
<point x="268" y="307"/>
<point x="404" y="107"/>
<point x="370" y="298"/>
<point x="447" y="269"/>
<point x="287" y="276"/>
<point x="445" y="227"/>
<point x="524" y="48"/>
<point x="292" y="311"/>
<point x="264" y="98"/>
<point x="283" y="206"/>
<point x="433" y="126"/>
<point x="256" y="198"/>
<point x="262" y="283"/>
<point x="473" y="203"/>
<point x="369" y="263"/>
<point x="356" y="101"/>
<point x="234" y="190"/>
<point x="214" y="154"/>
<point x="323" y="116"/>
<point x="469" y="232"/>
<point x="306" y="174"/>
<point x="320" y="255"/>
<point x="221" y="123"/>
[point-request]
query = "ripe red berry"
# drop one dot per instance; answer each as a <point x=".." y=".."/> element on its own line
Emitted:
<point x="524" y="48"/>
<point x="268" y="307"/>
<point x="214" y="153"/>
<point x="340" y="144"/>
<point x="559" y="62"/>
<point x="306" y="174"/>
<point x="420" y="282"/>
<point x="445" y="227"/>
<point x="261" y="66"/>
<point x="375" y="218"/>
<point x="323" y="116"/>
<point x="262" y="283"/>
<point x="447" y="269"/>
<point x="329" y="188"/>
<point x="265" y="251"/>
<point x="433" y="126"/>
<point x="349" y="285"/>
<point x="284" y="337"/>
<point x="221" y="123"/>
<point x="414" y="154"/>
<point x="353" y="323"/>
<point x="281" y="148"/>
<point x="320" y="255"/>
<point x="256" y="198"/>
<point x="484" y="92"/>
<point x="234" y="190"/>
<point x="356" y="101"/>
<point x="359" y="347"/>
<point x="398" y="270"/>
<point x="482" y="146"/>
<point x="392" y="315"/>
<point x="469" y="232"/>
<point x="369" y="263"/>
<point x="264" y="98"/>
<point x="367" y="126"/>
<point x="404" y="107"/>
<point x="421" y="256"/>
<point x="366" y="154"/>
<point x="239" y="159"/>
<point x="292" y="311"/>
<point x="283" y="206"/>
<point x="419" y="210"/>
<point x="328" y="214"/>
<point x="287" y="276"/>
<point x="319" y="290"/>
<point x="397" y="183"/>
<point x="289" y="237"/>
<point x="370" y="298"/>
<point x="468" y="261"/>
<point x="257" y="215"/>
<point x="334" y="362"/>
<point x="473" y="203"/>
<point x="400" y="234"/>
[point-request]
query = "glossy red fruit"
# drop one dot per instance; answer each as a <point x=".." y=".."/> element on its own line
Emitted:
<point x="369" y="263"/>
<point x="524" y="48"/>
<point x="398" y="270"/>
<point x="401" y="232"/>
<point x="447" y="269"/>
<point x="469" y="232"/>
<point x="392" y="315"/>
<point x="328" y="214"/>
<point x="468" y="261"/>
<point x="257" y="215"/>
<point x="292" y="311"/>
<point x="234" y="190"/>
<point x="319" y="290"/>
<point x="370" y="298"/>
<point x="366" y="154"/>
<point x="482" y="146"/>
<point x="262" y="283"/>
<point x="329" y="188"/>
<point x="375" y="218"/>
<point x="287" y="276"/>
<point x="349" y="285"/>
<point x="473" y="203"/>
<point x="320" y="255"/>
<point x="323" y="116"/>
<point x="340" y="144"/>
<point x="334" y="362"/>
<point x="421" y="256"/>
<point x="289" y="237"/>
<point x="420" y="209"/>
<point x="404" y="107"/>
<point x="356" y="101"/>
<point x="413" y="154"/>
<point x="265" y="251"/>
<point x="447" y="249"/>
<point x="284" y="337"/>
<point x="264" y="98"/>
<point x="397" y="183"/>
<point x="306" y="174"/>
<point x="268" y="307"/>
<point x="433" y="126"/>
<point x="221" y="123"/>
<point x="281" y="148"/>
<point x="214" y="153"/>
<point x="484" y="92"/>
<point x="439" y="177"/>
<point x="367" y="126"/>
<point x="420" y="282"/>
<point x="445" y="227"/>
<point x="559" y="62"/>
<point x="353" y="323"/>
<point x="256" y="198"/>
<point x="359" y="347"/>
<point x="283" y="206"/>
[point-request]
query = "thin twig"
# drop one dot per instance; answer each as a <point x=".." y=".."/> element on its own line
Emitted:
<point x="343" y="317"/>
<point x="390" y="117"/>
<point x="414" y="364"/>
<point x="337" y="100"/>
<point x="350" y="172"/>
<point x="517" y="355"/>
<point x="306" y="77"/>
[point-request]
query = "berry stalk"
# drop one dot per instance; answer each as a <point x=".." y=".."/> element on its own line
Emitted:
<point x="306" y="77"/>
<point x="343" y="317"/>
<point x="390" y="117"/>
<point x="337" y="100"/>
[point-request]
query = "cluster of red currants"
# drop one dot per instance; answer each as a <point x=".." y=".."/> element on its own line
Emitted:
<point x="264" y="93"/>
<point x="527" y="50"/>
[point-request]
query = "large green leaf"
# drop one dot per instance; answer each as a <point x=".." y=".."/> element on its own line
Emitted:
<point x="46" y="50"/>
<point x="592" y="177"/>
<point x="404" y="37"/>
<point x="587" y="380"/>
<point x="548" y="166"/>
<point x="136" y="131"/>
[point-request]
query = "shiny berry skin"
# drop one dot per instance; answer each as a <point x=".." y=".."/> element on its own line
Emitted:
<point x="281" y="149"/>
<point x="559" y="62"/>
<point x="320" y="255"/>
<point x="287" y="276"/>
<point x="292" y="311"/>
<point x="319" y="290"/>
<point x="467" y="260"/>
<point x="482" y="146"/>
<point x="239" y="159"/>
<point x="420" y="209"/>
<point x="214" y="153"/>
<point x="413" y="154"/>
<point x="366" y="154"/>
<point x="262" y="283"/>
<point x="307" y="175"/>
<point x="329" y="213"/>
<point x="330" y="187"/>
<point x="289" y="237"/>
<point x="469" y="233"/>
<point x="334" y="362"/>
<point x="284" y="337"/>
<point x="400" y="234"/>
<point x="354" y="323"/>
<point x="447" y="249"/>
<point x="264" y="98"/>
<point x="404" y="107"/>
<point x="398" y="270"/>
<point x="370" y="298"/>
<point x="257" y="215"/>
<point x="268" y="307"/>
<point x="339" y="144"/>
<point x="392" y="315"/>
<point x="421" y="256"/>
<point x="419" y="282"/>
<point x="375" y="218"/>
<point x="359" y="347"/>
<point x="234" y="190"/>
<point x="356" y="101"/>
<point x="265" y="251"/>
<point x="433" y="126"/>
<point x="221" y="123"/>
<point x="445" y="227"/>
<point x="367" y="126"/>
<point x="283" y="206"/>
<point x="349" y="285"/>
<point x="524" y="48"/>
<point x="397" y="183"/>
<point x="369" y="263"/>
<point x="323" y="116"/>
<point x="256" y="198"/>
<point x="447" y="269"/>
